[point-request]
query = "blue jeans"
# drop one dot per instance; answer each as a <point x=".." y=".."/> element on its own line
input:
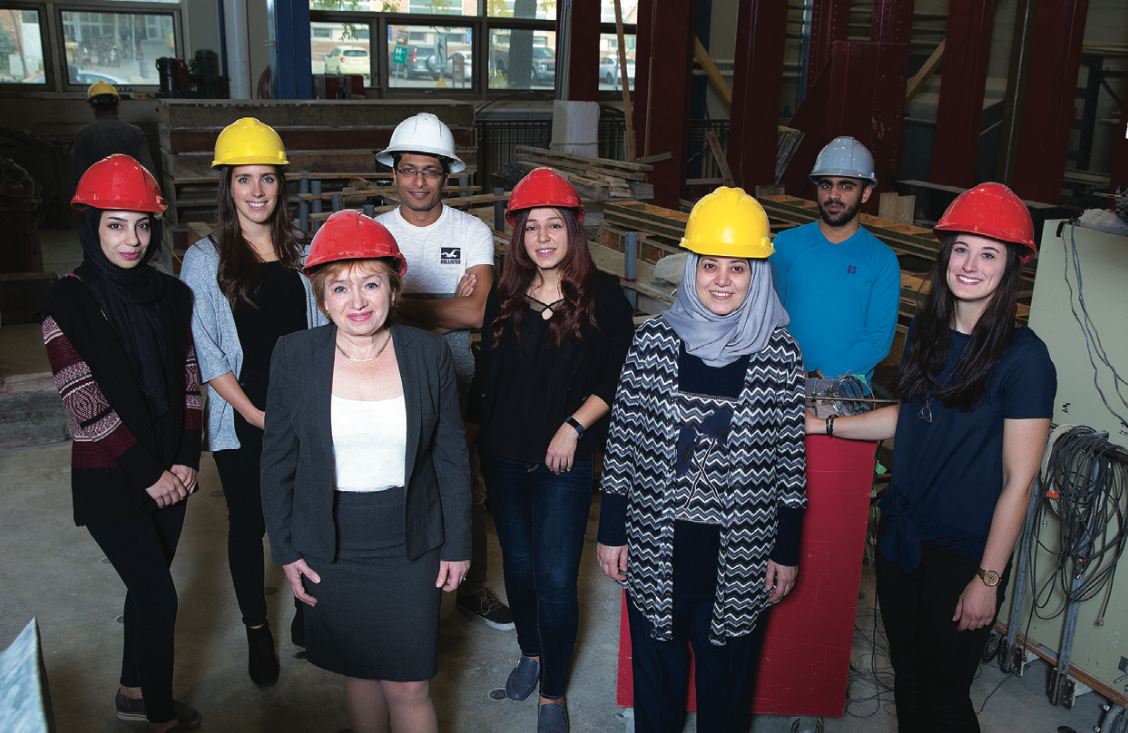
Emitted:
<point x="541" y="518"/>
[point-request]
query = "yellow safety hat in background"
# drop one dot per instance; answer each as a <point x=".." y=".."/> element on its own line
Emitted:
<point x="728" y="223"/>
<point x="249" y="142"/>
<point x="99" y="88"/>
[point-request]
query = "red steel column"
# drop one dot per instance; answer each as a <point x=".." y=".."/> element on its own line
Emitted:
<point x="963" y="80"/>
<point x="583" y="55"/>
<point x="892" y="21"/>
<point x="829" y="19"/>
<point x="757" y="81"/>
<point x="664" y="51"/>
<point x="1049" y="111"/>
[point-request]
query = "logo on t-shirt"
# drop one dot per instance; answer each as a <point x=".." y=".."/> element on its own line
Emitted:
<point x="850" y="269"/>
<point x="450" y="255"/>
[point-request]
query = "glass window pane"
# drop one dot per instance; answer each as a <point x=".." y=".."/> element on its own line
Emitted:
<point x="341" y="48"/>
<point x="539" y="9"/>
<point x="21" y="48"/>
<point x="610" y="73"/>
<point x="629" y="7"/>
<point x="425" y="56"/>
<point x="168" y="2"/>
<point x="119" y="48"/>
<point x="428" y="7"/>
<point x="521" y="59"/>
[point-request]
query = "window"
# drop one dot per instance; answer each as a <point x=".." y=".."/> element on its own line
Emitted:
<point x="522" y="59"/>
<point x="118" y="48"/>
<point x="610" y="73"/>
<point x="628" y="7"/>
<point x="425" y="7"/>
<point x="539" y="9"/>
<point x="423" y="56"/>
<point x="21" y="48"/>
<point x="341" y="48"/>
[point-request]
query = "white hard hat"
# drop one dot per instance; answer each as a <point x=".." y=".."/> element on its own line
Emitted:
<point x="845" y="157"/>
<point x="424" y="134"/>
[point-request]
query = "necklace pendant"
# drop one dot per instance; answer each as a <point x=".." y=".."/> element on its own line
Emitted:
<point x="925" y="414"/>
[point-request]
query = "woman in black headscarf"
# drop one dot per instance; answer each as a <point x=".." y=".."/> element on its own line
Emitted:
<point x="119" y="342"/>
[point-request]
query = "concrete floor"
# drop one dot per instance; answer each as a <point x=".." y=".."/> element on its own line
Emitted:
<point x="55" y="573"/>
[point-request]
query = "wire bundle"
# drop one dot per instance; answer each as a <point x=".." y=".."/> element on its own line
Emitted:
<point x="1085" y="478"/>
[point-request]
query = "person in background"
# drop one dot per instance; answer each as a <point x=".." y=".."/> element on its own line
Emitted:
<point x="250" y="291"/>
<point x="119" y="342"/>
<point x="107" y="135"/>
<point x="451" y="255"/>
<point x="840" y="285"/>
<point x="365" y="479"/>
<point x="704" y="481"/>
<point x="553" y="341"/>
<point x="977" y="395"/>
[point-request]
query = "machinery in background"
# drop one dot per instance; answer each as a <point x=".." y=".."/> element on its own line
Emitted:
<point x="199" y="78"/>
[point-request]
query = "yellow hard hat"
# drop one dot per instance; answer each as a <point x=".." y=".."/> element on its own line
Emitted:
<point x="728" y="223"/>
<point x="99" y="88"/>
<point x="249" y="142"/>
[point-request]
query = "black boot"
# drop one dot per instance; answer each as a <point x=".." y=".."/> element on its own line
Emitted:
<point x="263" y="665"/>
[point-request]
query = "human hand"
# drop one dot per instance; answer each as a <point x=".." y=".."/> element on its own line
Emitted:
<point x="294" y="572"/>
<point x="562" y="449"/>
<point x="612" y="560"/>
<point x="780" y="580"/>
<point x="466" y="286"/>
<point x="187" y="477"/>
<point x="257" y="418"/>
<point x="451" y="574"/>
<point x="976" y="605"/>
<point x="167" y="490"/>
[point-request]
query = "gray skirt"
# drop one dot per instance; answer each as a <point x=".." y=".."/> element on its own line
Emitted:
<point x="377" y="613"/>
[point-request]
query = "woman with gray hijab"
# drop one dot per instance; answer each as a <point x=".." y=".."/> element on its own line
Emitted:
<point x="704" y="477"/>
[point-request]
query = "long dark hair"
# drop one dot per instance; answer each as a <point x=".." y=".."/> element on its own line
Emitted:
<point x="239" y="273"/>
<point x="918" y="378"/>
<point x="577" y="285"/>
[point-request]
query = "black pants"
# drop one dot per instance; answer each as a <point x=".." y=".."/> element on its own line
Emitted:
<point x="933" y="662"/>
<point x="141" y="550"/>
<point x="725" y="675"/>
<point x="239" y="472"/>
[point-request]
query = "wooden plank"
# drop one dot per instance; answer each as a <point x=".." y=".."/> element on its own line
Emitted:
<point x="893" y="207"/>
<point x="921" y="77"/>
<point x="190" y="113"/>
<point x="200" y="139"/>
<point x="711" y="71"/>
<point x="197" y="165"/>
<point x="602" y="162"/>
<point x="624" y="84"/>
<point x="719" y="156"/>
<point x="586" y="169"/>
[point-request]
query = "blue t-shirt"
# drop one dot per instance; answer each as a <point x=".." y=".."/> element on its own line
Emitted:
<point x="948" y="473"/>
<point x="842" y="298"/>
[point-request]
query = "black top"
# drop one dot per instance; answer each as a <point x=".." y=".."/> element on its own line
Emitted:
<point x="281" y="309"/>
<point x="521" y="397"/>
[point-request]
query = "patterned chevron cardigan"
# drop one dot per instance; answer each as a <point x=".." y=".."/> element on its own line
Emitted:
<point x="767" y="468"/>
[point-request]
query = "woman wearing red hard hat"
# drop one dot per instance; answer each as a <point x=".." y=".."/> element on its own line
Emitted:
<point x="366" y="479"/>
<point x="119" y="341"/>
<point x="554" y="338"/>
<point x="976" y="395"/>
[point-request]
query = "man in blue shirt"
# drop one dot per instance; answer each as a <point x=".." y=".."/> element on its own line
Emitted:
<point x="839" y="284"/>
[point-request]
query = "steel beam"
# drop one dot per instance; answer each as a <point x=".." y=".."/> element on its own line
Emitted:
<point x="829" y="21"/>
<point x="290" y="48"/>
<point x="1014" y="98"/>
<point x="1120" y="152"/>
<point x="583" y="55"/>
<point x="892" y="21"/>
<point x="963" y="80"/>
<point x="1049" y="111"/>
<point x="757" y="80"/>
<point x="664" y="52"/>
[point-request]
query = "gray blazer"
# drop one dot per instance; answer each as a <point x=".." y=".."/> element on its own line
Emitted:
<point x="298" y="468"/>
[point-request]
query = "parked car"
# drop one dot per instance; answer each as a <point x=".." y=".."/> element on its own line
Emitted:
<point x="609" y="70"/>
<point x="419" y="63"/>
<point x="348" y="60"/>
<point x="544" y="64"/>
<point x="467" y="67"/>
<point x="89" y="77"/>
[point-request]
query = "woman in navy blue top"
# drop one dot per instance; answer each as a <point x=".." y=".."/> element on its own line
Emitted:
<point x="976" y="397"/>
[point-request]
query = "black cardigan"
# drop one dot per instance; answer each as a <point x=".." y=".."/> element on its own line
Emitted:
<point x="596" y="371"/>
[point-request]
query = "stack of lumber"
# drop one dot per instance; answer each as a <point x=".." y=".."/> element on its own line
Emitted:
<point x="595" y="179"/>
<point x="659" y="230"/>
<point x="331" y="139"/>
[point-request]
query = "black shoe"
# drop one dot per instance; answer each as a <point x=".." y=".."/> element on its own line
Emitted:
<point x="130" y="710"/>
<point x="263" y="664"/>
<point x="486" y="606"/>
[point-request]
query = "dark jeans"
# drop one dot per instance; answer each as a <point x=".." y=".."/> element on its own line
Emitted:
<point x="541" y="518"/>
<point x="933" y="662"/>
<point x="141" y="550"/>
<point x="239" y="472"/>
<point x="725" y="675"/>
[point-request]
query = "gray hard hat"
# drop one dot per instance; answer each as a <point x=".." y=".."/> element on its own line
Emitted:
<point x="845" y="157"/>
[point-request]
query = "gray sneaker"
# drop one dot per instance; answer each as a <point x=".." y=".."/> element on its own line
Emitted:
<point x="486" y="606"/>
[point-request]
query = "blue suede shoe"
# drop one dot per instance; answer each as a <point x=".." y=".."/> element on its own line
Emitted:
<point x="523" y="679"/>
<point x="552" y="719"/>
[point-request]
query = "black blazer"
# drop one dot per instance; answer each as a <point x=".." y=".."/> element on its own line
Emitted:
<point x="298" y="468"/>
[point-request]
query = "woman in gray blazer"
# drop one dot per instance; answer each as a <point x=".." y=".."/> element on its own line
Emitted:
<point x="366" y="479"/>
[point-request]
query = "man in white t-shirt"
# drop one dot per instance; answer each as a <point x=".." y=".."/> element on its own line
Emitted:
<point x="443" y="246"/>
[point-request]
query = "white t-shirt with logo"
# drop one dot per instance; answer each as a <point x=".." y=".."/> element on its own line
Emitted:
<point x="438" y="256"/>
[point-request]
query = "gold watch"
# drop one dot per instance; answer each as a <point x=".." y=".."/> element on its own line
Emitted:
<point x="990" y="577"/>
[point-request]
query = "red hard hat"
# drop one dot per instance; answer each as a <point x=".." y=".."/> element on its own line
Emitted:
<point x="543" y="187"/>
<point x="120" y="183"/>
<point x="990" y="210"/>
<point x="350" y="235"/>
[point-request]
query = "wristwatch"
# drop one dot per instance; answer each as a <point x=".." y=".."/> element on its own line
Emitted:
<point x="990" y="577"/>
<point x="575" y="424"/>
